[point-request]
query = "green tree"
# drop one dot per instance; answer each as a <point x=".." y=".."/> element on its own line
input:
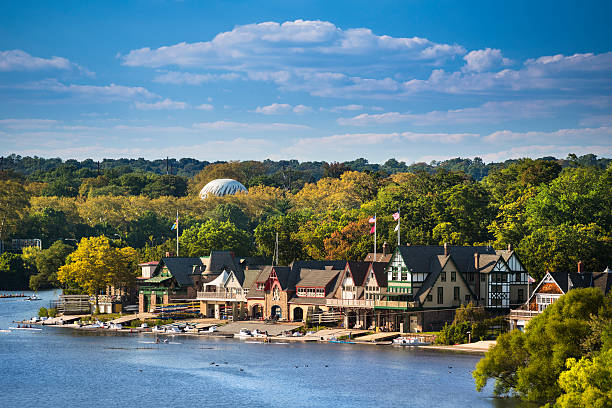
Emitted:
<point x="48" y="261"/>
<point x="212" y="235"/>
<point x="14" y="202"/>
<point x="287" y="226"/>
<point x="587" y="382"/>
<point x="14" y="272"/>
<point x="529" y="364"/>
<point x="95" y="264"/>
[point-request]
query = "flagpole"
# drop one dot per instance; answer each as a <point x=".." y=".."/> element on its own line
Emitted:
<point x="375" y="236"/>
<point x="399" y="220"/>
<point x="177" y="234"/>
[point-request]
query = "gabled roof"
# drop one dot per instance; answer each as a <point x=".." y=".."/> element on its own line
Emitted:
<point x="436" y="267"/>
<point x="297" y="266"/>
<point x="261" y="277"/>
<point x="282" y="274"/>
<point x="380" y="273"/>
<point x="250" y="275"/>
<point x="158" y="279"/>
<point x="487" y="262"/>
<point x="319" y="278"/>
<point x="180" y="268"/>
<point x="218" y="261"/>
<point x="380" y="257"/>
<point x="418" y="257"/>
<point x="358" y="271"/>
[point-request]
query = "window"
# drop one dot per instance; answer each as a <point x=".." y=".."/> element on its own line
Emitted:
<point x="456" y="295"/>
<point x="404" y="274"/>
<point x="430" y="297"/>
<point x="453" y="276"/>
<point x="276" y="293"/>
<point x="245" y="291"/>
<point x="440" y="295"/>
<point x="470" y="277"/>
<point x="260" y="286"/>
<point x="320" y="292"/>
<point x="521" y="295"/>
<point x="518" y="277"/>
<point x="483" y="278"/>
<point x="467" y="298"/>
<point x="301" y="291"/>
<point x="442" y="276"/>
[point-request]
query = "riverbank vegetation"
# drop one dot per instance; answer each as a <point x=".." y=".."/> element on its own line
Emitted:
<point x="563" y="357"/>
<point x="555" y="212"/>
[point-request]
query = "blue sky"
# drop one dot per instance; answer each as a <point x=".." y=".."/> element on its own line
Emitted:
<point x="316" y="80"/>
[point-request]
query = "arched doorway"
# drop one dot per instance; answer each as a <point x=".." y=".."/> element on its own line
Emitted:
<point x="277" y="312"/>
<point x="298" y="314"/>
<point x="257" y="312"/>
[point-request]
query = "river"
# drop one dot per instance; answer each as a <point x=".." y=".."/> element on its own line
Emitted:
<point x="59" y="367"/>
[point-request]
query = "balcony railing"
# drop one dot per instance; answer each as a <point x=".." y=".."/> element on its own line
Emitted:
<point x="367" y="303"/>
<point x="228" y="296"/>
<point x="394" y="304"/>
<point x="517" y="313"/>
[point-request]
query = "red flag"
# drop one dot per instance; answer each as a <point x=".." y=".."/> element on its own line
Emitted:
<point x="396" y="216"/>
<point x="372" y="220"/>
<point x="373" y="229"/>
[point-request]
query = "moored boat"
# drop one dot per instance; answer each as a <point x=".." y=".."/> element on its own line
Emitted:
<point x="409" y="341"/>
<point x="243" y="334"/>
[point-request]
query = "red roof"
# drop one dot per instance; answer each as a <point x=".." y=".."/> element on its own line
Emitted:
<point x="149" y="263"/>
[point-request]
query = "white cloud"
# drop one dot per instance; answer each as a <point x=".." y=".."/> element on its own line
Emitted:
<point x="299" y="42"/>
<point x="245" y="126"/>
<point x="161" y="105"/>
<point x="346" y="108"/>
<point x="17" y="60"/>
<point x="590" y="135"/>
<point x="188" y="78"/>
<point x="94" y="93"/>
<point x="28" y="123"/>
<point x="301" y="109"/>
<point x="273" y="109"/>
<point x="484" y="60"/>
<point x="489" y="112"/>
<point x="205" y="107"/>
<point x="279" y="108"/>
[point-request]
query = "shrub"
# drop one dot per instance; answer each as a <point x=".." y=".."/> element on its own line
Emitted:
<point x="52" y="312"/>
<point x="42" y="312"/>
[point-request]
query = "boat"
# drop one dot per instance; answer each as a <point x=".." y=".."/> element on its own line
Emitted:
<point x="259" y="334"/>
<point x="243" y="334"/>
<point x="33" y="298"/>
<point x="26" y="328"/>
<point x="341" y="341"/>
<point x="212" y="329"/>
<point x="409" y="341"/>
<point x="158" y="329"/>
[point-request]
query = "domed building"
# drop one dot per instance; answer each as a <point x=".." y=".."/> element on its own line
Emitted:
<point x="222" y="187"/>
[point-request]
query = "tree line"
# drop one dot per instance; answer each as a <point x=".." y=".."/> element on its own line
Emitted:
<point x="555" y="212"/>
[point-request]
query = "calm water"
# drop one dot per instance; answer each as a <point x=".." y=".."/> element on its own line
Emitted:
<point x="62" y="367"/>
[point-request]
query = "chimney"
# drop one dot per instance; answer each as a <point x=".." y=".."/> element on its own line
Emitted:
<point x="385" y="248"/>
<point x="445" y="249"/>
<point x="580" y="270"/>
<point x="509" y="247"/>
<point x="476" y="259"/>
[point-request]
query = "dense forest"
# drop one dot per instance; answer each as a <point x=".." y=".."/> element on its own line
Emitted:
<point x="555" y="212"/>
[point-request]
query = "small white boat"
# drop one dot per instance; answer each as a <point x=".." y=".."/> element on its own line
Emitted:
<point x="243" y="334"/>
<point x="158" y="329"/>
<point x="259" y="333"/>
<point x="212" y="329"/>
<point x="409" y="341"/>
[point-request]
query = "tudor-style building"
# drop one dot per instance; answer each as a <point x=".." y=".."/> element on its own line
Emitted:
<point x="554" y="285"/>
<point x="426" y="283"/>
<point x="178" y="279"/>
<point x="360" y="286"/>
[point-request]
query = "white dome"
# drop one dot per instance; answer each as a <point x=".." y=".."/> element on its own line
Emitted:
<point x="221" y="187"/>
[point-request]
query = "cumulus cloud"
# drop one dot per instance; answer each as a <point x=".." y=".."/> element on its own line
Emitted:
<point x="246" y="126"/>
<point x="570" y="135"/>
<point x="484" y="60"/>
<point x="18" y="60"/>
<point x="301" y="43"/>
<point x="161" y="105"/>
<point x="346" y="108"/>
<point x="28" y="123"/>
<point x="205" y="107"/>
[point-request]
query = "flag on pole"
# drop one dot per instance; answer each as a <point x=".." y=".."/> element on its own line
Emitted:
<point x="396" y="228"/>
<point x="531" y="280"/>
<point x="396" y="216"/>
<point x="175" y="225"/>
<point x="373" y="221"/>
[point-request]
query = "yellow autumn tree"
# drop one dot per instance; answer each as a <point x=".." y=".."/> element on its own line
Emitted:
<point x="95" y="264"/>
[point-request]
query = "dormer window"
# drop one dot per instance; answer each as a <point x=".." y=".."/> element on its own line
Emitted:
<point x="260" y="286"/>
